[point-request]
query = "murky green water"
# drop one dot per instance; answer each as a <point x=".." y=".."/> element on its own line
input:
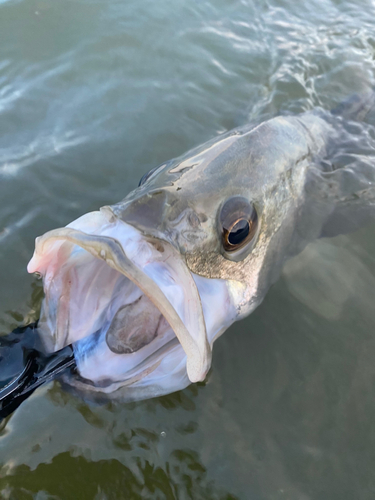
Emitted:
<point x="92" y="95"/>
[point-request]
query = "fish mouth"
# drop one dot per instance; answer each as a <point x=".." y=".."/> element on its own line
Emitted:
<point x="112" y="291"/>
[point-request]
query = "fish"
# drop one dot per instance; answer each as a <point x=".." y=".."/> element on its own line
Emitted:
<point x="140" y="290"/>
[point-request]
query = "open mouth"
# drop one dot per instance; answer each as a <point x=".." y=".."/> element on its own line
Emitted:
<point x="127" y="302"/>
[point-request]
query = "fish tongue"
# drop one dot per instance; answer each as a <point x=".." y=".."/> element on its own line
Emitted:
<point x="133" y="326"/>
<point x="159" y="277"/>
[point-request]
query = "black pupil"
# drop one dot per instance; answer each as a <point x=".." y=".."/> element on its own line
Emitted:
<point x="239" y="232"/>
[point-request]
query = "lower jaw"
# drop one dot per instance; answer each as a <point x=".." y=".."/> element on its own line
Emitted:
<point x="157" y="368"/>
<point x="154" y="385"/>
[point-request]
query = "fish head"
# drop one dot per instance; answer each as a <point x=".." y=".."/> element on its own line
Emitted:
<point x="143" y="288"/>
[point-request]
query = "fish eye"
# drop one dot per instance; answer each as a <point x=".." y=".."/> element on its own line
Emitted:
<point x="238" y="226"/>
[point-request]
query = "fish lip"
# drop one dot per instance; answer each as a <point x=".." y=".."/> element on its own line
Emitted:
<point x="193" y="338"/>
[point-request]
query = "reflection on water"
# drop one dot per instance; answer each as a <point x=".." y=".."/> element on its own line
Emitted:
<point x="93" y="95"/>
<point x="183" y="477"/>
<point x="140" y="469"/>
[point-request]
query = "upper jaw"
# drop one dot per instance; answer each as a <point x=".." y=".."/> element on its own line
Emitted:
<point x="82" y="292"/>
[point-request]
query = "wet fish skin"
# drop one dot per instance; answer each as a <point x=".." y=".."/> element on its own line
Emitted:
<point x="267" y="165"/>
<point x="169" y="227"/>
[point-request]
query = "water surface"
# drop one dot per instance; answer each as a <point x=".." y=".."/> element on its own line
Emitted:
<point x="94" y="94"/>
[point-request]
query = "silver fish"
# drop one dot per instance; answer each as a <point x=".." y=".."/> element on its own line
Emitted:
<point x="142" y="289"/>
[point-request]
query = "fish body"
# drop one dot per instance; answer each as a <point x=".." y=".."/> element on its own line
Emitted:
<point x="143" y="288"/>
